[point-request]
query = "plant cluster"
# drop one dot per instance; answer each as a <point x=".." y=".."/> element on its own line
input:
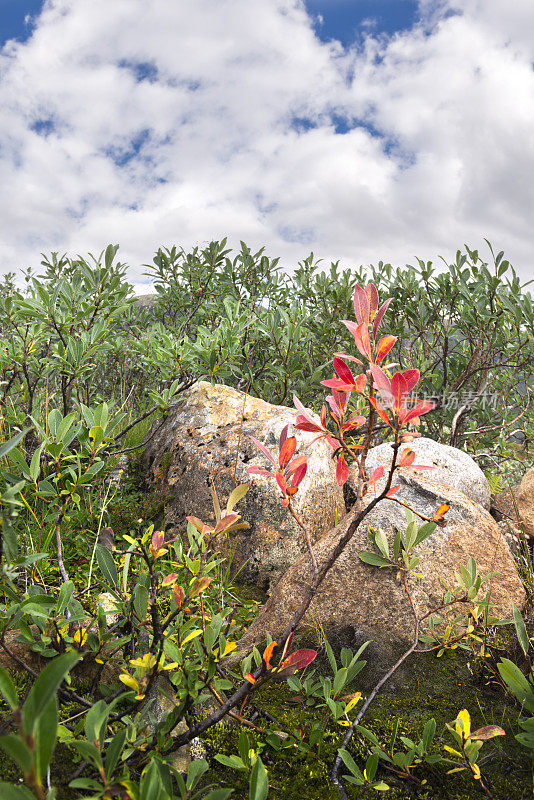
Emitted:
<point x="81" y="371"/>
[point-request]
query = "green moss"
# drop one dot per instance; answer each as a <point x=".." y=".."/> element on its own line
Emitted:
<point x="437" y="688"/>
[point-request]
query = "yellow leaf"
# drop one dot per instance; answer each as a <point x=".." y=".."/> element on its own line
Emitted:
<point x="229" y="647"/>
<point x="450" y="750"/>
<point x="456" y="769"/>
<point x="192" y="635"/>
<point x="130" y="681"/>
<point x="353" y="702"/>
<point x="237" y="495"/>
<point x="463" y="723"/>
<point x="476" y="771"/>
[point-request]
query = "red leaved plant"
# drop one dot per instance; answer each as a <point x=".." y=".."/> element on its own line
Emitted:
<point x="289" y="471"/>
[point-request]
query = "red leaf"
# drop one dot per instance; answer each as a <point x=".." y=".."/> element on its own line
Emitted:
<point x="250" y="678"/>
<point x="281" y="481"/>
<point x="419" y="410"/>
<point x="343" y="372"/>
<point x="283" y="437"/>
<point x="392" y="491"/>
<point x="286" y="451"/>
<point x="379" y="410"/>
<point x="342" y="470"/>
<point x="158" y="537"/>
<point x="178" y="595"/>
<point x="378" y="319"/>
<point x="297" y="660"/>
<point x="302" y="424"/>
<point x="411" y="376"/>
<point x="384" y="346"/>
<point x="292" y="466"/>
<point x="361" y="305"/>
<point x="398" y="390"/>
<point x="263" y="450"/>
<point x="488" y="732"/>
<point x="299" y="474"/>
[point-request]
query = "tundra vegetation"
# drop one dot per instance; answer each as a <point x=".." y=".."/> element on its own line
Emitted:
<point x="86" y="368"/>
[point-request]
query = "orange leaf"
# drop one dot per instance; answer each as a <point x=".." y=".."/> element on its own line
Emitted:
<point x="170" y="579"/>
<point x="384" y="346"/>
<point x="199" y="586"/>
<point x="178" y="595"/>
<point x="250" y="678"/>
<point x="392" y="491"/>
<point x="268" y="653"/>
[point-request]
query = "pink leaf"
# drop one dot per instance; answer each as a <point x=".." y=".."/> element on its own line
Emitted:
<point x="392" y="491"/>
<point x="283" y="437"/>
<point x="259" y="471"/>
<point x="361" y="305"/>
<point x="376" y="475"/>
<point x="264" y="450"/>
<point x="372" y="297"/>
<point x="347" y="356"/>
<point x="378" y="319"/>
<point x="362" y="340"/>
<point x="382" y="382"/>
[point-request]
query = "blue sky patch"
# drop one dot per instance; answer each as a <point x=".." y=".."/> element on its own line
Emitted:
<point x="348" y="20"/>
<point x="14" y="18"/>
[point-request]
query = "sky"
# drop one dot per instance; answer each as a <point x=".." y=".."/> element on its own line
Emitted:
<point x="361" y="130"/>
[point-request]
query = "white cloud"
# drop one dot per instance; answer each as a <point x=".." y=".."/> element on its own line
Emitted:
<point x="247" y="124"/>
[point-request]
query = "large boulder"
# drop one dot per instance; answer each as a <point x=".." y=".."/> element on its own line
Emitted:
<point x="207" y="438"/>
<point x="372" y="601"/>
<point x="451" y="466"/>
<point x="525" y="503"/>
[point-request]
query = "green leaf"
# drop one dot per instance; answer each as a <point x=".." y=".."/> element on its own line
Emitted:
<point x="340" y="680"/>
<point x="65" y="594"/>
<point x="195" y="772"/>
<point x="382" y="543"/>
<point x="17" y="750"/>
<point x="45" y="734"/>
<point x="350" y="764"/>
<point x="374" y="559"/>
<point x="107" y="565"/>
<point x="259" y="782"/>
<point x="9" y="692"/>
<point x="45" y="687"/>
<point x="516" y="682"/>
<point x="371" y="766"/>
<point x="11" y="443"/>
<point x="521" y="630"/>
<point x="113" y="752"/>
<point x="10" y="792"/>
<point x="141" y="601"/>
